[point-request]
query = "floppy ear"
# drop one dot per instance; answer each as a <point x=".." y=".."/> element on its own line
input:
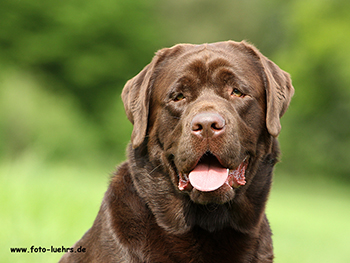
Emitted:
<point x="279" y="91"/>
<point x="136" y="96"/>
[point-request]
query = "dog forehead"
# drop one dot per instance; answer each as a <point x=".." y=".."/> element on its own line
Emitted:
<point x="186" y="63"/>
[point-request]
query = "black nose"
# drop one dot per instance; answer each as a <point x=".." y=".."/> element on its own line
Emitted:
<point x="207" y="124"/>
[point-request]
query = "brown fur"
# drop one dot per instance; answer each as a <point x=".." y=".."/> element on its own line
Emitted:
<point x="144" y="217"/>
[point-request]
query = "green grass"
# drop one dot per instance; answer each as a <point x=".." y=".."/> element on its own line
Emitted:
<point x="310" y="220"/>
<point x="45" y="205"/>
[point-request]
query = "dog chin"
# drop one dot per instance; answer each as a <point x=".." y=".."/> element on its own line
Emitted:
<point x="220" y="196"/>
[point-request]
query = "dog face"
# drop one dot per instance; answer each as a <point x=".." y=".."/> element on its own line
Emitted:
<point x="205" y="117"/>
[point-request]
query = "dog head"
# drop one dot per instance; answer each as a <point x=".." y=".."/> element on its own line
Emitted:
<point x="205" y="117"/>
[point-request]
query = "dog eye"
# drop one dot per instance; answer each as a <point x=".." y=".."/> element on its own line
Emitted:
<point x="237" y="93"/>
<point x="179" y="97"/>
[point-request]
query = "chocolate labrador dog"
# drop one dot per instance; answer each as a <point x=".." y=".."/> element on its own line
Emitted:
<point x="203" y="147"/>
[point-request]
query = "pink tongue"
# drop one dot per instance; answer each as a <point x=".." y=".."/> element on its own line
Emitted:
<point x="208" y="177"/>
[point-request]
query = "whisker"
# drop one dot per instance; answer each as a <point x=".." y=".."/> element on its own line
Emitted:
<point x="154" y="169"/>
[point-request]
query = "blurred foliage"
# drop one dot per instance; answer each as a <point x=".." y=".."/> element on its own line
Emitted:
<point x="86" y="47"/>
<point x="63" y="65"/>
<point x="317" y="54"/>
<point x="78" y="55"/>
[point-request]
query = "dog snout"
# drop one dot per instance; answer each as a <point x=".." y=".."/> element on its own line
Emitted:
<point x="207" y="124"/>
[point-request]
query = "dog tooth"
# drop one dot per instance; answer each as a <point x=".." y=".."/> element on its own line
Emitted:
<point x="185" y="177"/>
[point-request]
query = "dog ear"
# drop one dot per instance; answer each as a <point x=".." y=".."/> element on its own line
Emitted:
<point x="279" y="91"/>
<point x="136" y="97"/>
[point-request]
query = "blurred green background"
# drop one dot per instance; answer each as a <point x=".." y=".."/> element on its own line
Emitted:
<point x="63" y="129"/>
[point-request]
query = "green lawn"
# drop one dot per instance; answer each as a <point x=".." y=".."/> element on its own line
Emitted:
<point x="53" y="206"/>
<point x="310" y="220"/>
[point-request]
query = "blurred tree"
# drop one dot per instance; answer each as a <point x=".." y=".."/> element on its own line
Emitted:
<point x="317" y="54"/>
<point x="88" y="48"/>
<point x="78" y="51"/>
<point x="203" y="21"/>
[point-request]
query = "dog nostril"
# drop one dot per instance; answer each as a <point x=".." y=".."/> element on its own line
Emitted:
<point x="207" y="124"/>
<point x="218" y="123"/>
<point x="197" y="127"/>
<point x="217" y="126"/>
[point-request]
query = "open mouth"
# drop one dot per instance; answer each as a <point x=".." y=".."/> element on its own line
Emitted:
<point x="209" y="175"/>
